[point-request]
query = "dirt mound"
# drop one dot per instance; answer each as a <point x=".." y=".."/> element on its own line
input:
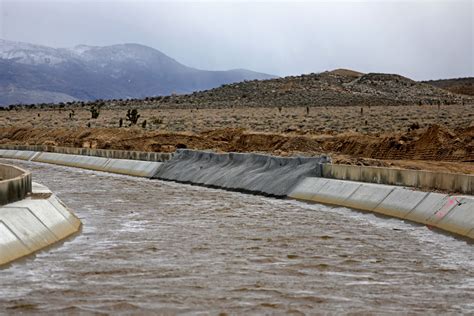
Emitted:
<point x="435" y="143"/>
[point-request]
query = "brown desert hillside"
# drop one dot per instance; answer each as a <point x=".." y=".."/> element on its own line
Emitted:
<point x="340" y="87"/>
<point x="337" y="88"/>
<point x="459" y="86"/>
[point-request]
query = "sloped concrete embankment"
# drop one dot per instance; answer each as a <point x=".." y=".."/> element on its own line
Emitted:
<point x="131" y="167"/>
<point x="303" y="179"/>
<point x="422" y="179"/>
<point x="106" y="153"/>
<point x="308" y="179"/>
<point x="18" y="154"/>
<point x="31" y="219"/>
<point x="454" y="214"/>
<point x="263" y="174"/>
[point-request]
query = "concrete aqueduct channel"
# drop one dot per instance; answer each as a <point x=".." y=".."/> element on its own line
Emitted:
<point x="33" y="218"/>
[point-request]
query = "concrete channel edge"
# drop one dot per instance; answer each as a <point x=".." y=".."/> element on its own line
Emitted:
<point x="264" y="174"/>
<point x="454" y="214"/>
<point x="132" y="167"/>
<point x="34" y="223"/>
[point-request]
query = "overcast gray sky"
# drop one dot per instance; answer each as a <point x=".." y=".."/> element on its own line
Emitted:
<point x="421" y="39"/>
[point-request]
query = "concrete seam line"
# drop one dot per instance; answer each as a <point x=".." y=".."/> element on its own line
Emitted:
<point x="49" y="229"/>
<point x="60" y="213"/>
<point x="34" y="215"/>
<point x="19" y="239"/>
<point x="421" y="201"/>
<point x="34" y="156"/>
<point x="391" y="191"/>
<point x="350" y="195"/>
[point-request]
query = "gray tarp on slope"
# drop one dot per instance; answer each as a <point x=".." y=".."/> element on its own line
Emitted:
<point x="256" y="173"/>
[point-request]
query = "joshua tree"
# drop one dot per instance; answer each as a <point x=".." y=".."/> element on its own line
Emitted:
<point x="120" y="122"/>
<point x="132" y="116"/>
<point x="144" y="124"/>
<point x="95" y="111"/>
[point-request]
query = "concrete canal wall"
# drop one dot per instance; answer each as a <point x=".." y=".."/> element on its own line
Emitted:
<point x="386" y="191"/>
<point x="452" y="213"/>
<point x="15" y="184"/>
<point x="425" y="180"/>
<point x="130" y="167"/>
<point x="254" y="173"/>
<point x="106" y="153"/>
<point x="421" y="179"/>
<point x="310" y="179"/>
<point x="33" y="219"/>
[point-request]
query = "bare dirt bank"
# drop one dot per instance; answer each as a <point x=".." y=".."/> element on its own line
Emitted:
<point x="434" y="148"/>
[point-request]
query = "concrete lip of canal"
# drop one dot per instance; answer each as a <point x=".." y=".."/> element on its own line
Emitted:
<point x="31" y="216"/>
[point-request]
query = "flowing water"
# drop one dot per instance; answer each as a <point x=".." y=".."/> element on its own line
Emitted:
<point x="159" y="247"/>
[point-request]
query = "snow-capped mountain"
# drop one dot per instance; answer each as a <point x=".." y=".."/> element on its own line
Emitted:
<point x="33" y="73"/>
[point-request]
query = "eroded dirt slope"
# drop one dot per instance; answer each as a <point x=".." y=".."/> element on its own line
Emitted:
<point x="433" y="148"/>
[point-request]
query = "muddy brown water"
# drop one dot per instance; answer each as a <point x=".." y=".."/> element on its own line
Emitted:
<point x="160" y="247"/>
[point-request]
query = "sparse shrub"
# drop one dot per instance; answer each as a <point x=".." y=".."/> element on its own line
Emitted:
<point x="132" y="116"/>
<point x="414" y="126"/>
<point x="95" y="111"/>
<point x="72" y="114"/>
<point x="120" y="122"/>
<point x="157" y="121"/>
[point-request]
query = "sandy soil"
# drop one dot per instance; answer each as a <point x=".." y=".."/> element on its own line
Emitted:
<point x="367" y="120"/>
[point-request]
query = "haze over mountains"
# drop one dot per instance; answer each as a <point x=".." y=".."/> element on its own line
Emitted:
<point x="39" y="74"/>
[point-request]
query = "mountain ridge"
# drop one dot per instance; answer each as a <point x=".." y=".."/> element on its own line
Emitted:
<point x="101" y="72"/>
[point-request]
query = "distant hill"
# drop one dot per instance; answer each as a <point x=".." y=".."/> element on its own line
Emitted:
<point x="341" y="87"/>
<point x="39" y="74"/>
<point x="460" y="85"/>
<point x="346" y="72"/>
